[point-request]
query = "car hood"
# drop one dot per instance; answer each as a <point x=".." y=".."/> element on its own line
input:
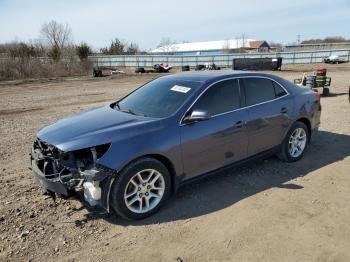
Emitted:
<point x="95" y="127"/>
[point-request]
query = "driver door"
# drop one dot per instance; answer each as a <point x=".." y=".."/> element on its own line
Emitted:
<point x="220" y="140"/>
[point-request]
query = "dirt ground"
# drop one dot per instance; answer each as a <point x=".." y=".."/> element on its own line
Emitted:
<point x="265" y="211"/>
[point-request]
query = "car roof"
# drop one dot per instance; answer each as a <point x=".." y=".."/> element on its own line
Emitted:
<point x="209" y="76"/>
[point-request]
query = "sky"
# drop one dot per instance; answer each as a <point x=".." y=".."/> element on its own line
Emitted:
<point x="146" y="22"/>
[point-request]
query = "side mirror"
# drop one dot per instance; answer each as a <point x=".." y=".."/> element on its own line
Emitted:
<point x="196" y="116"/>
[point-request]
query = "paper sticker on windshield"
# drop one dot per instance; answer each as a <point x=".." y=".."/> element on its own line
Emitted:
<point x="181" y="89"/>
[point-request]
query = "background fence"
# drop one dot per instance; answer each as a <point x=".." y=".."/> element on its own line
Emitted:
<point x="304" y="57"/>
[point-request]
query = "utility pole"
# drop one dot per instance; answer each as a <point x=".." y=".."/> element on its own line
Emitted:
<point x="243" y="40"/>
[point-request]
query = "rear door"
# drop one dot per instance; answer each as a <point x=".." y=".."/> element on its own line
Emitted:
<point x="269" y="108"/>
<point x="221" y="140"/>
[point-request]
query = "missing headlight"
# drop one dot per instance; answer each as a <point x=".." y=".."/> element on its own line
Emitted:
<point x="86" y="158"/>
<point x="101" y="150"/>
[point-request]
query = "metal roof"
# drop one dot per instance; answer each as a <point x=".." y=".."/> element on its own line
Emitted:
<point x="205" y="46"/>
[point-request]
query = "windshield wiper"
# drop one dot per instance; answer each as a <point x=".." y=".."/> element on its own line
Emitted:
<point x="129" y="111"/>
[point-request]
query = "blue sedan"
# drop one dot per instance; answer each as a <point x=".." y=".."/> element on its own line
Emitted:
<point x="130" y="156"/>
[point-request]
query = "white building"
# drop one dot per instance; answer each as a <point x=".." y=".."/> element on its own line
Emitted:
<point x="214" y="47"/>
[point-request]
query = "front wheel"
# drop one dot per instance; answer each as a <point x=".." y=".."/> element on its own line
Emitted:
<point x="140" y="189"/>
<point x="295" y="143"/>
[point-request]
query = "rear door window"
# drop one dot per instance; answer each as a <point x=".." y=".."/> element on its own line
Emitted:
<point x="259" y="90"/>
<point x="220" y="98"/>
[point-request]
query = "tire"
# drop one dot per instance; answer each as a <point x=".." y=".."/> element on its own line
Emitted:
<point x="158" y="68"/>
<point x="185" y="68"/>
<point x="285" y="153"/>
<point x="140" y="70"/>
<point x="311" y="81"/>
<point x="199" y="67"/>
<point x="97" y="73"/>
<point x="123" y="186"/>
<point x="325" y="91"/>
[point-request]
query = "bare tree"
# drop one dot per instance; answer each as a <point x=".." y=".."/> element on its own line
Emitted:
<point x="59" y="38"/>
<point x="277" y="46"/>
<point x="167" y="45"/>
<point x="117" y="47"/>
<point x="83" y="51"/>
<point x="57" y="35"/>
<point x="328" y="39"/>
<point x="132" y="49"/>
<point x="226" y="47"/>
<point x="241" y="43"/>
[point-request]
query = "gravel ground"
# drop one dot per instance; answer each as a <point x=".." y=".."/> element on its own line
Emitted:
<point x="265" y="211"/>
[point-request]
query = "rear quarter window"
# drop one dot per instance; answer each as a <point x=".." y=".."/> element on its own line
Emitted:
<point x="279" y="91"/>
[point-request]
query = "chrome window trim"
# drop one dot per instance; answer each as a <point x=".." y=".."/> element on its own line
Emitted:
<point x="233" y="78"/>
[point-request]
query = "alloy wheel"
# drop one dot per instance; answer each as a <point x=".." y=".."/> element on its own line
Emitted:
<point x="297" y="142"/>
<point x="144" y="191"/>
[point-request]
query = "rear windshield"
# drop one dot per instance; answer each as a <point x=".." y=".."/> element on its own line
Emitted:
<point x="158" y="98"/>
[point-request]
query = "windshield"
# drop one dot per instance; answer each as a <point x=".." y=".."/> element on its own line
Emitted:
<point x="158" y="98"/>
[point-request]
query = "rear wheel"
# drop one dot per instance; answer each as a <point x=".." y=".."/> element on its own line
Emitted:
<point x="140" y="189"/>
<point x="295" y="143"/>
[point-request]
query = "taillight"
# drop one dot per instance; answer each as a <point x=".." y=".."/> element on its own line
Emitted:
<point x="317" y="94"/>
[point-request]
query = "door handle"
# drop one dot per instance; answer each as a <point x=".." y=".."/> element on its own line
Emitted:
<point x="238" y="124"/>
<point x="284" y="110"/>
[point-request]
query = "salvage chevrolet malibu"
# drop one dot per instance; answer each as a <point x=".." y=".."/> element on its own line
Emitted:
<point x="130" y="156"/>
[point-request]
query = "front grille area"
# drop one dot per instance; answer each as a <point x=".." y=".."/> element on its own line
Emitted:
<point x="52" y="162"/>
<point x="69" y="168"/>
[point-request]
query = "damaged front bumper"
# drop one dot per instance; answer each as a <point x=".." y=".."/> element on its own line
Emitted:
<point x="66" y="174"/>
<point x="50" y="185"/>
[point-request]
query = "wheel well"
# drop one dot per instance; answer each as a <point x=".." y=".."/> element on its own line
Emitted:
<point x="168" y="164"/>
<point x="165" y="161"/>
<point x="307" y="123"/>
